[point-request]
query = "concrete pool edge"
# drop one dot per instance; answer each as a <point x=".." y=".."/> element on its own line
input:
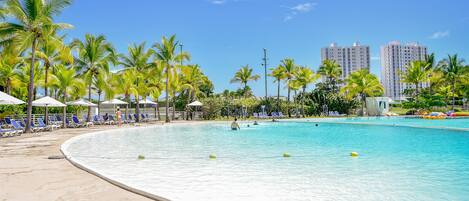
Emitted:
<point x="63" y="150"/>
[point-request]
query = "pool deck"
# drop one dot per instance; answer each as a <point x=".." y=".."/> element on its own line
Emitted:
<point x="26" y="173"/>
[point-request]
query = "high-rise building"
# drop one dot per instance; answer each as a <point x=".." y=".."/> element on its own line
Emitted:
<point x="394" y="59"/>
<point x="350" y="59"/>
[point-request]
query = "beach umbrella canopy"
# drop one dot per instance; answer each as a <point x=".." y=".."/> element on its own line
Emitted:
<point x="195" y="103"/>
<point x="147" y="102"/>
<point x="6" y="99"/>
<point x="47" y="102"/>
<point x="81" y="102"/>
<point x="114" y="102"/>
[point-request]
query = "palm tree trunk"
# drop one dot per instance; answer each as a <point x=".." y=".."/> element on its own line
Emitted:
<point x="288" y="101"/>
<point x="453" y="86"/>
<point x="31" y="87"/>
<point x="137" y="108"/>
<point x="363" y="104"/>
<point x="64" y="120"/>
<point x="303" y="101"/>
<point x="417" y="93"/>
<point x="127" y="98"/>
<point x="173" y="103"/>
<point x="46" y="79"/>
<point x="8" y="86"/>
<point x="167" y="95"/>
<point x="158" y="109"/>
<point x="99" y="102"/>
<point x="88" y="118"/>
<point x="278" y="95"/>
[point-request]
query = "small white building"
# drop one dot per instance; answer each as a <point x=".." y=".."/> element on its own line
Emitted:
<point x="377" y="106"/>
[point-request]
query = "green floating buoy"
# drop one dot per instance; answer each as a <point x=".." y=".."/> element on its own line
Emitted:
<point x="212" y="156"/>
<point x="286" y="155"/>
<point x="354" y="154"/>
<point x="141" y="157"/>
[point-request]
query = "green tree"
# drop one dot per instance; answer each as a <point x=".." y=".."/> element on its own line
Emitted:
<point x="288" y="67"/>
<point x="28" y="25"/>
<point x="416" y="73"/>
<point x="279" y="75"/>
<point x="167" y="55"/>
<point x="95" y="54"/>
<point x="243" y="76"/>
<point x="332" y="72"/>
<point x="453" y="69"/>
<point x="67" y="83"/>
<point x="305" y="76"/>
<point x="9" y="63"/>
<point x="362" y="84"/>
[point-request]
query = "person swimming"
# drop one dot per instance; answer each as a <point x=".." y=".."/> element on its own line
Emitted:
<point x="235" y="125"/>
<point x="255" y="123"/>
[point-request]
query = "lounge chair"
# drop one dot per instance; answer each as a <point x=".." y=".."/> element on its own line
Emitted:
<point x="147" y="117"/>
<point x="34" y="127"/>
<point x="77" y="122"/>
<point x="255" y="115"/>
<point x="280" y="114"/>
<point x="97" y="120"/>
<point x="111" y="120"/>
<point x="41" y="124"/>
<point x="143" y="118"/>
<point x="17" y="127"/>
<point x="8" y="132"/>
<point x="129" y="119"/>
<point x="136" y="117"/>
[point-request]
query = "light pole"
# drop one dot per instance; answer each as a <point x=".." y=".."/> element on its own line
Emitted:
<point x="265" y="71"/>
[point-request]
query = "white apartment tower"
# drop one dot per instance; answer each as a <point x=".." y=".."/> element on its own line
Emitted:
<point x="394" y="59"/>
<point x="350" y="59"/>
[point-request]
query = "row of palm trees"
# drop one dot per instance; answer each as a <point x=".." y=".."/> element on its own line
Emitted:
<point x="359" y="84"/>
<point x="446" y="74"/>
<point x="34" y="55"/>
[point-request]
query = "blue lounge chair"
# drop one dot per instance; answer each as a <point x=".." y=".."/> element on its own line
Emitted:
<point x="142" y="117"/>
<point x="8" y="132"/>
<point x="17" y="127"/>
<point x="41" y="124"/>
<point x="77" y="122"/>
<point x="136" y="117"/>
<point x="34" y="127"/>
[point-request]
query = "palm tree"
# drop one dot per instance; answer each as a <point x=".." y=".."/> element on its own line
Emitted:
<point x="279" y="75"/>
<point x="66" y="82"/>
<point x="362" y="84"/>
<point x="288" y="67"/>
<point x="192" y="78"/>
<point x="305" y="76"/>
<point x="416" y="73"/>
<point x="295" y="85"/>
<point x="453" y="69"/>
<point x="95" y="55"/>
<point x="10" y="61"/>
<point x="243" y="76"/>
<point x="332" y="72"/>
<point x="430" y="68"/>
<point x="138" y="58"/>
<point x="166" y="54"/>
<point x="124" y="83"/>
<point x="30" y="20"/>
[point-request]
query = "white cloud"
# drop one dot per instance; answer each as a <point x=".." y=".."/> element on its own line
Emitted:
<point x="299" y="8"/>
<point x="218" y="2"/>
<point x="303" y="8"/>
<point x="440" y="34"/>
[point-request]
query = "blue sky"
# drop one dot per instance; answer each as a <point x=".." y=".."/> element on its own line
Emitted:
<point x="222" y="35"/>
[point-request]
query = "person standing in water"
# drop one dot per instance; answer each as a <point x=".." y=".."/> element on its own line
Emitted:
<point x="119" y="117"/>
<point x="235" y="125"/>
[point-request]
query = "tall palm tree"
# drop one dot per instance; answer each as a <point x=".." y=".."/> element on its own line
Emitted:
<point x="279" y="75"/>
<point x="453" y="69"/>
<point x="332" y="72"/>
<point x="305" y="76"/>
<point x="138" y="58"/>
<point x="416" y="73"/>
<point x="243" y="76"/>
<point x="430" y="68"/>
<point x="124" y="84"/>
<point x="295" y="85"/>
<point x="29" y="22"/>
<point x="166" y="53"/>
<point x="362" y="84"/>
<point x="9" y="63"/>
<point x="289" y="67"/>
<point x="95" y="54"/>
<point x="67" y="83"/>
<point x="192" y="77"/>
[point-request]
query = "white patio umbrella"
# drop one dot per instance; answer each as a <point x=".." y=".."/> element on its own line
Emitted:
<point x="114" y="102"/>
<point x="6" y="99"/>
<point x="82" y="102"/>
<point x="46" y="102"/>
<point x="195" y="104"/>
<point x="147" y="102"/>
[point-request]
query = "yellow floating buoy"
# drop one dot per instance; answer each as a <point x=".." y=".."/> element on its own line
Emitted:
<point x="212" y="156"/>
<point x="286" y="155"/>
<point x="354" y="154"/>
<point x="141" y="157"/>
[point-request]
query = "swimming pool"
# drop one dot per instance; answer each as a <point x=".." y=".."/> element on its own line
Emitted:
<point x="395" y="163"/>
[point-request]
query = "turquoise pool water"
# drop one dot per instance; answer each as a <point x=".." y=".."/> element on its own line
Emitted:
<point x="395" y="163"/>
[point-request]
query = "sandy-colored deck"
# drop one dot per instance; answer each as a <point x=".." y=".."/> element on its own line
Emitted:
<point x="26" y="173"/>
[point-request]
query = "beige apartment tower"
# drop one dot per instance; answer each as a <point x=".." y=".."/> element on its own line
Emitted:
<point x="394" y="59"/>
<point x="350" y="59"/>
